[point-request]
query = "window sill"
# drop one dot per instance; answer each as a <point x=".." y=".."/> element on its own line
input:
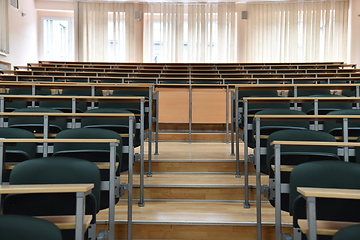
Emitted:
<point x="3" y="54"/>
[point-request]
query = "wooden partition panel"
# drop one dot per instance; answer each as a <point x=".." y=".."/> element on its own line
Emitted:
<point x="205" y="105"/>
<point x="173" y="105"/>
<point x="209" y="106"/>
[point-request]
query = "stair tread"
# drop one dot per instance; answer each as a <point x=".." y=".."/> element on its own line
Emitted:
<point x="193" y="151"/>
<point x="193" y="180"/>
<point x="212" y="213"/>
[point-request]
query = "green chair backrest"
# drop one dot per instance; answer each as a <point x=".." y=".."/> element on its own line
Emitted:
<point x="64" y="106"/>
<point x="87" y="133"/>
<point x="254" y="107"/>
<point x="118" y="125"/>
<point x="348" y="233"/>
<point x="35" y="124"/>
<point x="57" y="170"/>
<point x="301" y="135"/>
<point x="335" y="127"/>
<point x="18" y="151"/>
<point x="324" y="174"/>
<point x="324" y="108"/>
<point x="19" y="227"/>
<point x="271" y="126"/>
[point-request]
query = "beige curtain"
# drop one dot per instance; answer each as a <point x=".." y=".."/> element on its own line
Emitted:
<point x="105" y="32"/>
<point x="4" y="29"/>
<point x="298" y="31"/>
<point x="190" y="33"/>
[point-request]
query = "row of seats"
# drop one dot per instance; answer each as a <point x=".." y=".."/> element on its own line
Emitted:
<point x="296" y="130"/>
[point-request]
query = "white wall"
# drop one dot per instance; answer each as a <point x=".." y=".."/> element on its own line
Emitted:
<point x="23" y="37"/>
<point x="354" y="46"/>
<point x="24" y="31"/>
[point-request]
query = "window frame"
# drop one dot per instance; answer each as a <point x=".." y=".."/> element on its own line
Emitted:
<point x="4" y="28"/>
<point x="71" y="51"/>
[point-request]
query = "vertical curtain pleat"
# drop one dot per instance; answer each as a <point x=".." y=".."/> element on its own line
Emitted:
<point x="298" y="32"/>
<point x="192" y="32"/>
<point x="106" y="31"/>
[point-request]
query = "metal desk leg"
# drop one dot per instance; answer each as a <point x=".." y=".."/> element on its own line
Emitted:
<point x="130" y="177"/>
<point x="258" y="180"/>
<point x="157" y="125"/>
<point x="112" y="190"/>
<point x="277" y="192"/>
<point x="311" y="216"/>
<point x="150" y="133"/>
<point x="80" y="213"/>
<point x="142" y="137"/>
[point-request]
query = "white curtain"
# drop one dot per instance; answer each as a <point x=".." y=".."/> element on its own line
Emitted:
<point x="105" y="32"/>
<point x="298" y="31"/>
<point x="190" y="33"/>
<point x="4" y="29"/>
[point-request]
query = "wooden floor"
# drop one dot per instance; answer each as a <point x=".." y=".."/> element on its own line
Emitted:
<point x="194" y="194"/>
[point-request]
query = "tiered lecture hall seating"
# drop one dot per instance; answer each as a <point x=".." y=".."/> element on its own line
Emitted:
<point x="175" y="184"/>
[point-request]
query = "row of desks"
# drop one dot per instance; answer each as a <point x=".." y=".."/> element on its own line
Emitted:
<point x="278" y="188"/>
<point x="112" y="144"/>
<point x="312" y="226"/>
<point x="81" y="190"/>
<point x="151" y="78"/>
<point x="195" y="65"/>
<point x="44" y="70"/>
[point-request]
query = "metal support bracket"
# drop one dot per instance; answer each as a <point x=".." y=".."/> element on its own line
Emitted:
<point x="123" y="188"/>
<point x="251" y="159"/>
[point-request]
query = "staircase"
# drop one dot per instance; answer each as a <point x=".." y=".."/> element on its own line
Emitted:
<point x="198" y="132"/>
<point x="194" y="194"/>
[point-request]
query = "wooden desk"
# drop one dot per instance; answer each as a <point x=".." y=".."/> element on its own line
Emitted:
<point x="112" y="178"/>
<point x="278" y="168"/>
<point x="75" y="115"/>
<point x="81" y="190"/>
<point x="197" y="65"/>
<point x="69" y="70"/>
<point x="310" y="194"/>
<point x="247" y="100"/>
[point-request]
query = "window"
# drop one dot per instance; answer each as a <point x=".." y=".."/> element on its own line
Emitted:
<point x="57" y="39"/>
<point x="298" y="32"/>
<point x="4" y="27"/>
<point x="190" y="33"/>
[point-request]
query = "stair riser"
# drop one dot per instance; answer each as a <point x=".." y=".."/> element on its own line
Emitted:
<point x="188" y="193"/>
<point x="191" y="167"/>
<point x="198" y="232"/>
<point x="208" y="137"/>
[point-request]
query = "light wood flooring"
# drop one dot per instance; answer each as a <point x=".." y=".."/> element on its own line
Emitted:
<point x="194" y="194"/>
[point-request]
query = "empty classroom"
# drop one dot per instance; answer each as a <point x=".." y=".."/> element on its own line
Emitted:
<point x="202" y="120"/>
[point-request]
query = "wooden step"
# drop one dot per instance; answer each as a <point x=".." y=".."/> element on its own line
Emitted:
<point x="206" y="187"/>
<point x="193" y="166"/>
<point x="193" y="151"/>
<point x="194" y="137"/>
<point x="193" y="220"/>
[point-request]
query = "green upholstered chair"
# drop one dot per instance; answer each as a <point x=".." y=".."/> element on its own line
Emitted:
<point x="324" y="108"/>
<point x="20" y="227"/>
<point x="93" y="152"/>
<point x="121" y="126"/>
<point x="64" y="106"/>
<point x="17" y="152"/>
<point x="253" y="108"/>
<point x="269" y="127"/>
<point x="335" y="127"/>
<point x="325" y="174"/>
<point x="295" y="155"/>
<point x="133" y="107"/>
<point x="348" y="233"/>
<point x="53" y="170"/>
<point x="36" y="124"/>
